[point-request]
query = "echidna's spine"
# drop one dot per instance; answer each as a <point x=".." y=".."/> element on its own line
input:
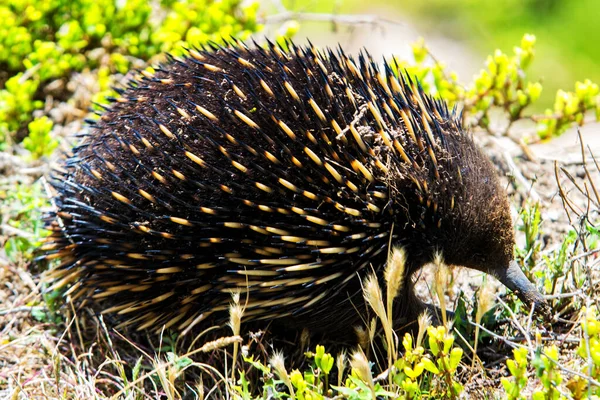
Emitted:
<point x="276" y="173"/>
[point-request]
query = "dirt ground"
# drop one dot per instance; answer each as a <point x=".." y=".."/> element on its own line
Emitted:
<point x="31" y="352"/>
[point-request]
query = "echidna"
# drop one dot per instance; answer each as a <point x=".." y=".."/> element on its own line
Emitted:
<point x="281" y="174"/>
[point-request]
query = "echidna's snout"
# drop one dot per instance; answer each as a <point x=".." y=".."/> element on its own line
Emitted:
<point x="514" y="279"/>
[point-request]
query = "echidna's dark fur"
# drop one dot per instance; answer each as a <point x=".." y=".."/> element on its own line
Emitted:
<point x="278" y="174"/>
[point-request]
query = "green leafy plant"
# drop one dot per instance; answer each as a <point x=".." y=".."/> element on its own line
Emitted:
<point x="570" y="107"/>
<point x="530" y="223"/>
<point x="420" y="372"/>
<point x="589" y="349"/>
<point x="39" y="141"/>
<point x="517" y="367"/>
<point x="17" y="104"/>
<point x="549" y="375"/>
<point x="503" y="85"/>
<point x="44" y="41"/>
<point x="22" y="206"/>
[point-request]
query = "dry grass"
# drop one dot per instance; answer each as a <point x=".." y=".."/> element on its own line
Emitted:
<point x="82" y="357"/>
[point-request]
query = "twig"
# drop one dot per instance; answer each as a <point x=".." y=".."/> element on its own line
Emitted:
<point x="496" y="336"/>
<point x="520" y="178"/>
<point x="570" y="371"/>
<point x="21" y="309"/>
<point x="582" y="255"/>
<point x="515" y="345"/>
<point x="587" y="172"/>
<point x="562" y="295"/>
<point x="40" y="170"/>
<point x="572" y="179"/>
<point x="526" y="150"/>
<point x="12" y="231"/>
<point x="516" y="322"/>
<point x="565" y="200"/>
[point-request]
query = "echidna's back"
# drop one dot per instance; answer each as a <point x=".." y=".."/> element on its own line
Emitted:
<point x="241" y="170"/>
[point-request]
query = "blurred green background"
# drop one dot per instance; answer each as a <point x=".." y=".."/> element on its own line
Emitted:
<point x="462" y="33"/>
